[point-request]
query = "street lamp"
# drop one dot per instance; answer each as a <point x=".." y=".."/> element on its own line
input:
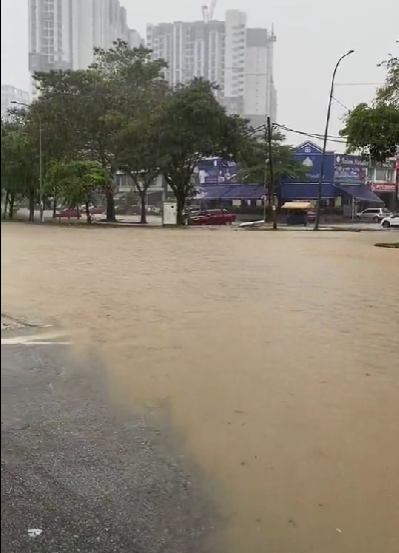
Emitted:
<point x="41" y="207"/>
<point x="323" y="157"/>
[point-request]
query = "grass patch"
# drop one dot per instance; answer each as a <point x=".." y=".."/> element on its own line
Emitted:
<point x="387" y="245"/>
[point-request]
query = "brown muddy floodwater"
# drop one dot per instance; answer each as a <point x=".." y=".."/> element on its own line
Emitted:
<point x="277" y="353"/>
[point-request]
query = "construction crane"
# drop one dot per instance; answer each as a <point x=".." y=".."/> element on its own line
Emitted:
<point x="208" y="10"/>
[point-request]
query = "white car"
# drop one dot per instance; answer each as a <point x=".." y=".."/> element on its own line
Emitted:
<point x="375" y="214"/>
<point x="391" y="221"/>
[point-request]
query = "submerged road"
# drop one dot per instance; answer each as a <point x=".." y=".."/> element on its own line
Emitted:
<point x="78" y="476"/>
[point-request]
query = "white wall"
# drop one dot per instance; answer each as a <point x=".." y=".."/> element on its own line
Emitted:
<point x="82" y="33"/>
<point x="235" y="53"/>
<point x="256" y="89"/>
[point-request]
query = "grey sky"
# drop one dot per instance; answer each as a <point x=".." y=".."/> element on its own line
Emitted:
<point x="311" y="36"/>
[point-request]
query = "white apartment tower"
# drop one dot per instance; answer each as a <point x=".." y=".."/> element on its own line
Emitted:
<point x="63" y="33"/>
<point x="239" y="59"/>
<point x="9" y="95"/>
<point x="190" y="49"/>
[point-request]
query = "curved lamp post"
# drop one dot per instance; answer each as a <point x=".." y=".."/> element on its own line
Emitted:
<point x="323" y="157"/>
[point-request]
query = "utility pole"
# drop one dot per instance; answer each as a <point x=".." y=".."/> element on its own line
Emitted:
<point x="41" y="207"/>
<point x="266" y="196"/>
<point x="271" y="189"/>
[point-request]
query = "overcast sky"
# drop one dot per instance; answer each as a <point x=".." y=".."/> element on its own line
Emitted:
<point x="311" y="36"/>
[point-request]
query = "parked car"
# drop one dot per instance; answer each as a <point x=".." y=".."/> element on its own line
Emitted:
<point x="212" y="217"/>
<point x="94" y="210"/>
<point x="391" y="221"/>
<point x="97" y="210"/>
<point x="69" y="213"/>
<point x="375" y="214"/>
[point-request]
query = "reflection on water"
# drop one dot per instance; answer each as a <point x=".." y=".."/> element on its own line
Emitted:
<point x="277" y="354"/>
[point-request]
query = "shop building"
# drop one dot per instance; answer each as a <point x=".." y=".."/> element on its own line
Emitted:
<point x="383" y="181"/>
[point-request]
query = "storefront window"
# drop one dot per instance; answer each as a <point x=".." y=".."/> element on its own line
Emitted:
<point x="383" y="174"/>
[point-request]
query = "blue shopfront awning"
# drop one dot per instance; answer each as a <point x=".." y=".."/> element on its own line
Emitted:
<point x="307" y="191"/>
<point x="231" y="192"/>
<point x="245" y="192"/>
<point x="212" y="192"/>
<point x="360" y="192"/>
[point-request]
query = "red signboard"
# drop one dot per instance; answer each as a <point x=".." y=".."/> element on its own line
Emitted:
<point x="383" y="187"/>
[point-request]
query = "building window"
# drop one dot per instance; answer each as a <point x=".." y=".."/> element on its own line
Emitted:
<point x="383" y="174"/>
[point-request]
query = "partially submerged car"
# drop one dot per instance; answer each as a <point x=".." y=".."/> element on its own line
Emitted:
<point x="391" y="221"/>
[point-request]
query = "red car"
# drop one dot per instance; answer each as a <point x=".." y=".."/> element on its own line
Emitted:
<point x="72" y="212"/>
<point x="213" y="217"/>
<point x="69" y="213"/>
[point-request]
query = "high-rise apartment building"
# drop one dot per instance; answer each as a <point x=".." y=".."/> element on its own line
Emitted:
<point x="239" y="59"/>
<point x="190" y="49"/>
<point x="63" y="33"/>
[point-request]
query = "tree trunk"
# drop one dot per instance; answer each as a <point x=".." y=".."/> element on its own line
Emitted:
<point x="31" y="206"/>
<point x="109" y="195"/>
<point x="55" y="206"/>
<point x="6" y="205"/>
<point x="143" y="207"/>
<point x="11" y="205"/>
<point x="88" y="214"/>
<point x="181" y="202"/>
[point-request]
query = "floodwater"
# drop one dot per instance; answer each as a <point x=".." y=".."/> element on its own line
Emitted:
<point x="277" y="354"/>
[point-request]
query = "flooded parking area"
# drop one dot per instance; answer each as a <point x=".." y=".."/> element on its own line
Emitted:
<point x="275" y="355"/>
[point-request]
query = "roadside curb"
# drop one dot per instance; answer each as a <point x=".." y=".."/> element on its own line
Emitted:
<point x="310" y="229"/>
<point x="9" y="322"/>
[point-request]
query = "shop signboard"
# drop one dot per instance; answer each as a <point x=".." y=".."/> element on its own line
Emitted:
<point x="310" y="156"/>
<point x="383" y="187"/>
<point x="350" y="169"/>
<point x="217" y="171"/>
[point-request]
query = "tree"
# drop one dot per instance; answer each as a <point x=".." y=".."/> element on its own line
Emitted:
<point x="80" y="103"/>
<point x="374" y="130"/>
<point x="87" y="111"/>
<point x="194" y="125"/>
<point x="389" y="93"/>
<point x="77" y="182"/>
<point x="142" y="94"/>
<point x="19" y="164"/>
<point x="254" y="159"/>
<point x="139" y="157"/>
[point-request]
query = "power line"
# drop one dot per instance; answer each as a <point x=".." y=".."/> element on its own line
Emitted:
<point x="316" y="136"/>
<point x="358" y="84"/>
<point x="341" y="104"/>
<point x="313" y="135"/>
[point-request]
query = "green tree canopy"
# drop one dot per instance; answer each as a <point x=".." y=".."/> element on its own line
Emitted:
<point x="194" y="125"/>
<point x="90" y="113"/>
<point x="255" y="159"/>
<point x="142" y="92"/>
<point x="77" y="181"/>
<point x="389" y="93"/>
<point x="373" y="130"/>
<point x="19" y="162"/>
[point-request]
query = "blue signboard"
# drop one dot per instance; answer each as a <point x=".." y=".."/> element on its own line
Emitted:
<point x="310" y="156"/>
<point x="350" y="169"/>
<point x="217" y="171"/>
